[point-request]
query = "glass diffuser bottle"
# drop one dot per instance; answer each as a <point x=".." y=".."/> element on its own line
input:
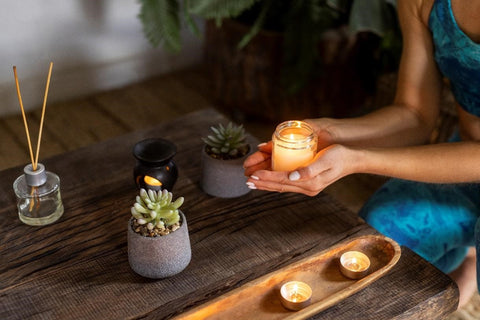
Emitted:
<point x="38" y="196"/>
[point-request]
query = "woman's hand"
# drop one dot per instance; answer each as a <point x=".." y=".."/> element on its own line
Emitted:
<point x="260" y="160"/>
<point x="330" y="164"/>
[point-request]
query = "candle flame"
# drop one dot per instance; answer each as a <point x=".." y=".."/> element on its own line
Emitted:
<point x="354" y="264"/>
<point x="295" y="296"/>
<point x="294" y="293"/>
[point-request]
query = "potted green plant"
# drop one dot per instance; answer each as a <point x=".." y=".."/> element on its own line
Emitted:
<point x="158" y="240"/>
<point x="222" y="161"/>
<point x="268" y="56"/>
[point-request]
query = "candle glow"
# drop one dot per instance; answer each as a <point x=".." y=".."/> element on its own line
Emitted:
<point x="354" y="264"/>
<point x="294" y="145"/>
<point x="295" y="295"/>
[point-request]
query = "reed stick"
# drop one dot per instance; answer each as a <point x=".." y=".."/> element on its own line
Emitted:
<point x="23" y="115"/>
<point x="34" y="162"/>
<point x="43" y="116"/>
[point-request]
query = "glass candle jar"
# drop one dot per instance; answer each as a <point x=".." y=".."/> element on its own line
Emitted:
<point x="294" y="145"/>
<point x="38" y="196"/>
<point x="155" y="168"/>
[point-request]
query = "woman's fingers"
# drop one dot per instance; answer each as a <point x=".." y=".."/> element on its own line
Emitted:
<point x="263" y="165"/>
<point x="256" y="158"/>
<point x="279" y="182"/>
<point x="260" y="160"/>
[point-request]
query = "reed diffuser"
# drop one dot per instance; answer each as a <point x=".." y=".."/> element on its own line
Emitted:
<point x="37" y="190"/>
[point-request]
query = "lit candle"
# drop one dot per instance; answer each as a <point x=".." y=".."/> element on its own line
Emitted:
<point x="354" y="264"/>
<point x="295" y="295"/>
<point x="294" y="145"/>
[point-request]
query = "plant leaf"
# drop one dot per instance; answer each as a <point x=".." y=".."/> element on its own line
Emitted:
<point x="178" y="202"/>
<point x="214" y="9"/>
<point x="372" y="16"/>
<point x="341" y="5"/>
<point x="161" y="23"/>
<point x="192" y="26"/>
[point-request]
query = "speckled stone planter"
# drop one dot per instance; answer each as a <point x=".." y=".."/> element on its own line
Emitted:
<point x="159" y="257"/>
<point x="223" y="178"/>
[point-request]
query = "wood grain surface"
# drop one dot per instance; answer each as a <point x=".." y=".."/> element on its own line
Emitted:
<point x="77" y="268"/>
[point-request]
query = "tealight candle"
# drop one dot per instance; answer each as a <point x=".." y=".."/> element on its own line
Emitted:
<point x="354" y="264"/>
<point x="295" y="295"/>
<point x="294" y="145"/>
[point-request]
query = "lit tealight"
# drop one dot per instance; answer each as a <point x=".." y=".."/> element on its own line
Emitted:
<point x="354" y="264"/>
<point x="295" y="295"/>
<point x="151" y="181"/>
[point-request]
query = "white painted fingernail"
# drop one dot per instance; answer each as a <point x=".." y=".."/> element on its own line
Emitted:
<point x="251" y="185"/>
<point x="294" y="176"/>
<point x="262" y="144"/>
<point x="255" y="177"/>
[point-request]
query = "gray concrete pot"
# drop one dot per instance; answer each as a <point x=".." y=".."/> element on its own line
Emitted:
<point x="159" y="257"/>
<point x="223" y="178"/>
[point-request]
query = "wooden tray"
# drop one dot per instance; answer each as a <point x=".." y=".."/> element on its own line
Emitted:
<point x="260" y="298"/>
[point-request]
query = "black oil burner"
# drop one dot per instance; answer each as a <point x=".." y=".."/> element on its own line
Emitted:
<point x="155" y="168"/>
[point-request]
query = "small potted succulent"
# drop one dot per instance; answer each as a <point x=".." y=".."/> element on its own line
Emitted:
<point x="158" y="240"/>
<point x="222" y="161"/>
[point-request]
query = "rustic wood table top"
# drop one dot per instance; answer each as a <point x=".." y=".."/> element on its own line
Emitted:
<point x="77" y="268"/>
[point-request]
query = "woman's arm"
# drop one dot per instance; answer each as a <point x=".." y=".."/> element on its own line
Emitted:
<point x="412" y="117"/>
<point x="437" y="163"/>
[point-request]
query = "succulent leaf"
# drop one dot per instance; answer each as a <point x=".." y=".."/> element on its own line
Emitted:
<point x="136" y="214"/>
<point x="178" y="202"/>
<point x="152" y="195"/>
<point x="140" y="208"/>
<point x="214" y="139"/>
<point x="156" y="208"/>
<point x="215" y="130"/>
<point x="227" y="140"/>
<point x="172" y="220"/>
<point x="153" y="214"/>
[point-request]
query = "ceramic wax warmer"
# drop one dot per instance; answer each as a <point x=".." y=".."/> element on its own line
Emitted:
<point x="155" y="168"/>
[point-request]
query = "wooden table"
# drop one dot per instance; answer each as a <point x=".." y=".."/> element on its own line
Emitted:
<point x="77" y="268"/>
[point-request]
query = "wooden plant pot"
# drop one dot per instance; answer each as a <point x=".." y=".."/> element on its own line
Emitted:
<point x="161" y="256"/>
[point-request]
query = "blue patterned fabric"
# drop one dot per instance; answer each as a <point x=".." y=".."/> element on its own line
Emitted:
<point x="437" y="221"/>
<point x="457" y="56"/>
<point x="434" y="220"/>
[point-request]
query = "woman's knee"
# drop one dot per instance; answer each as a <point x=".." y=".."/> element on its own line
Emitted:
<point x="429" y="219"/>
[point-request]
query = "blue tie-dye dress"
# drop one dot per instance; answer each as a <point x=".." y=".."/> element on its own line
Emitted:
<point x="436" y="220"/>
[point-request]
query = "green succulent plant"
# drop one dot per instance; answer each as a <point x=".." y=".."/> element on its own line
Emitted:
<point x="154" y="212"/>
<point x="227" y="142"/>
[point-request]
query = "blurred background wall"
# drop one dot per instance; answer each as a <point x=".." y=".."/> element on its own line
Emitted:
<point x="94" y="45"/>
